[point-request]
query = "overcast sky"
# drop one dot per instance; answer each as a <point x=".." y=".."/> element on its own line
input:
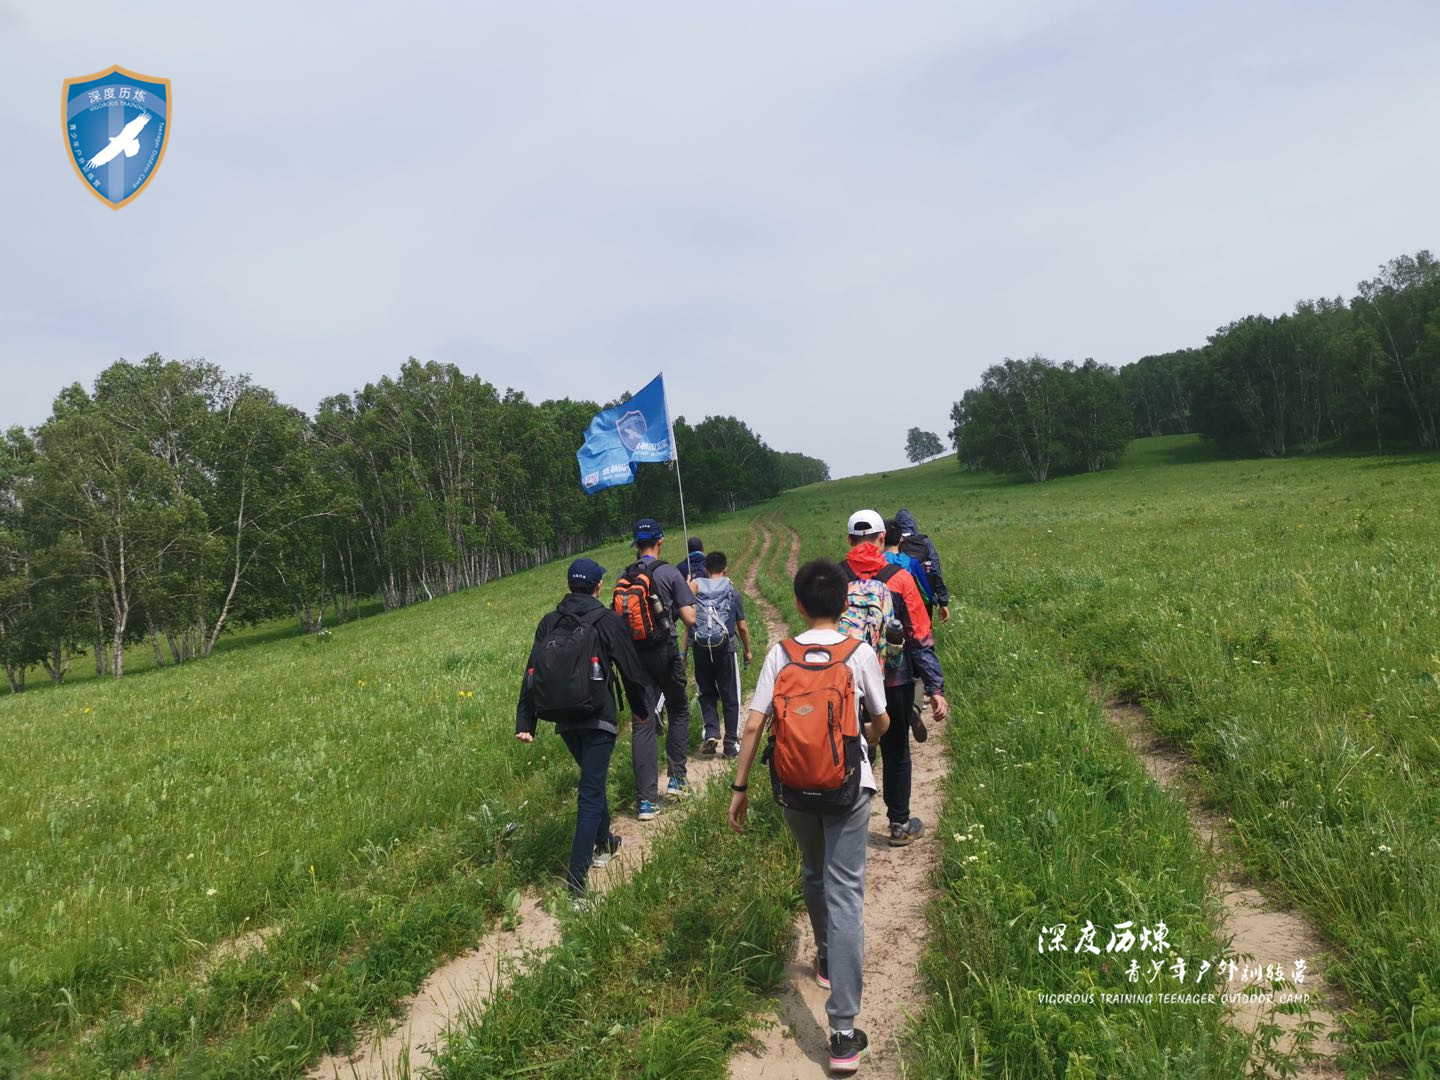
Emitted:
<point x="784" y="206"/>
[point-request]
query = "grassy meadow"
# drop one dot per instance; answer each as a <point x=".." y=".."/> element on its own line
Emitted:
<point x="360" y="803"/>
<point x="1280" y="620"/>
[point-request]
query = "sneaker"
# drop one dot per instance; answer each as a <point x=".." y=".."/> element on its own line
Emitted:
<point x="709" y="747"/>
<point x="917" y="726"/>
<point x="732" y="750"/>
<point x="581" y="904"/>
<point x="900" y="835"/>
<point x="648" y="810"/>
<point x="847" y="1050"/>
<point x="605" y="851"/>
<point x="677" y="788"/>
<point x="822" y="972"/>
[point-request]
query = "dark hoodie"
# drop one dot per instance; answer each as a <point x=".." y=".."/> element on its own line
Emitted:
<point x="615" y="648"/>
<point x="915" y="543"/>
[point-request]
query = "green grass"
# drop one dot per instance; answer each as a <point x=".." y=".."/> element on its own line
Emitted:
<point x="1280" y="620"/>
<point x="350" y="795"/>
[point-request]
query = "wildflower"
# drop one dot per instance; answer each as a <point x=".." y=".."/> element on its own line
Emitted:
<point x="972" y="858"/>
<point x="359" y="682"/>
<point x="85" y="711"/>
<point x="190" y="856"/>
<point x="1383" y="848"/>
<point x="211" y="892"/>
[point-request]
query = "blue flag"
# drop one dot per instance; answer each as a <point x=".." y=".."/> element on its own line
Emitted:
<point x="618" y="439"/>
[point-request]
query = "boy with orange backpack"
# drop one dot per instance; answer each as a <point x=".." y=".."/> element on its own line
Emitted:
<point x="815" y="685"/>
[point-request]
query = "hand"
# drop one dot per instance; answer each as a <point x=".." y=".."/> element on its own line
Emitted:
<point x="939" y="707"/>
<point x="525" y="736"/>
<point x="739" y="808"/>
<point x="748" y="657"/>
<point x="944" y="612"/>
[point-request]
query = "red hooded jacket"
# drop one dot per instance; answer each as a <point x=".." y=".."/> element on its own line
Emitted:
<point x="867" y="560"/>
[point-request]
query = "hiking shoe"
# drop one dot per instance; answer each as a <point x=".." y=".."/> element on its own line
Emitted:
<point x="677" y="788"/>
<point x="709" y="747"/>
<point x="732" y="750"/>
<point x="605" y="851"/>
<point x="581" y="904"/>
<point x="822" y="972"/>
<point x="900" y="835"/>
<point x="847" y="1050"/>
<point x="648" y="810"/>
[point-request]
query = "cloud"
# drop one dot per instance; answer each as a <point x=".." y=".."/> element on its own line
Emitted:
<point x="784" y="206"/>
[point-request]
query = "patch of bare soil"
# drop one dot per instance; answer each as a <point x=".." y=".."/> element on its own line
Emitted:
<point x="1261" y="930"/>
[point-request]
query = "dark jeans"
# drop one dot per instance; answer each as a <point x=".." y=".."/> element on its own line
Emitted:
<point x="591" y="751"/>
<point x="667" y="668"/>
<point x="895" y="752"/>
<point x="717" y="677"/>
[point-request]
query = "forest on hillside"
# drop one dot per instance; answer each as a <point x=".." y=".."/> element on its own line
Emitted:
<point x="173" y="502"/>
<point x="1361" y="373"/>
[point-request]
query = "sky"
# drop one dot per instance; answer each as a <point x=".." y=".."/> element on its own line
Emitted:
<point x="825" y="218"/>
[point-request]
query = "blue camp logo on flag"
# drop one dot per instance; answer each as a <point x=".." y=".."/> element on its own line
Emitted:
<point x="117" y="123"/>
<point x="632" y="428"/>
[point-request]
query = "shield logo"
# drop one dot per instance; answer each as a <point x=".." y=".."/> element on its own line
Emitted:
<point x="632" y="429"/>
<point x="116" y="124"/>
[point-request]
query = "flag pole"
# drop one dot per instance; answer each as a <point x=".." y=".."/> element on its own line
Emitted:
<point x="675" y="457"/>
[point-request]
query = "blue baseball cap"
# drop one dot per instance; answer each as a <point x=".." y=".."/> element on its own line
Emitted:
<point x="647" y="529"/>
<point x="586" y="572"/>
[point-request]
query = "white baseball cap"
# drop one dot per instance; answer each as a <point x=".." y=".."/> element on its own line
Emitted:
<point x="865" y="523"/>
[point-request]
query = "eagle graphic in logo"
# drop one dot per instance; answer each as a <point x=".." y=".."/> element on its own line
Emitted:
<point x="117" y="125"/>
<point x="632" y="429"/>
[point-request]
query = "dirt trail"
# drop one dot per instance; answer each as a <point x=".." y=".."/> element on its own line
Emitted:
<point x="792" y="559"/>
<point x="461" y="987"/>
<point x="1262" y="931"/>
<point x="897" y="889"/>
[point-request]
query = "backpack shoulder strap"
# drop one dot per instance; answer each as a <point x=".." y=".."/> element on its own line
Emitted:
<point x="887" y="571"/>
<point x="848" y="570"/>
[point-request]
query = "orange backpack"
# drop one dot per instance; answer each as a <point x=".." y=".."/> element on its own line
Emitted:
<point x="814" y="750"/>
<point x="638" y="604"/>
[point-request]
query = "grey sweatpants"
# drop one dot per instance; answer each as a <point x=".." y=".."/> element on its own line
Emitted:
<point x="833" y="850"/>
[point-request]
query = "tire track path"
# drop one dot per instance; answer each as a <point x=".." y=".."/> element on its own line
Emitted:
<point x="1261" y="930"/>
<point x="898" y="884"/>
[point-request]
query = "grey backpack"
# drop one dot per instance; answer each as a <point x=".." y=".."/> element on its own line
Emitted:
<point x="714" y="612"/>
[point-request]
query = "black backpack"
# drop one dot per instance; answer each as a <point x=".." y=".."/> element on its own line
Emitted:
<point x="569" y="673"/>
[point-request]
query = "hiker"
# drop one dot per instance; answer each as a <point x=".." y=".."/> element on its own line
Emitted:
<point x="919" y="547"/>
<point x="896" y="557"/>
<point x="568" y="681"/>
<point x="695" y="561"/>
<point x="651" y="596"/>
<point x="719" y="619"/>
<point x="826" y="799"/>
<point x="865" y="617"/>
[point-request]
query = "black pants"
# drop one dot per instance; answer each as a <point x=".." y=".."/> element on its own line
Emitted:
<point x="591" y="751"/>
<point x="667" y="668"/>
<point x="895" y="752"/>
<point x="717" y="677"/>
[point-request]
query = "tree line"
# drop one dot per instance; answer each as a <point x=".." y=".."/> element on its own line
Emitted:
<point x="172" y="503"/>
<point x="1363" y="372"/>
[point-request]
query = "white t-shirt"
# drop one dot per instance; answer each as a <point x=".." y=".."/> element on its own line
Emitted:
<point x="864" y="667"/>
